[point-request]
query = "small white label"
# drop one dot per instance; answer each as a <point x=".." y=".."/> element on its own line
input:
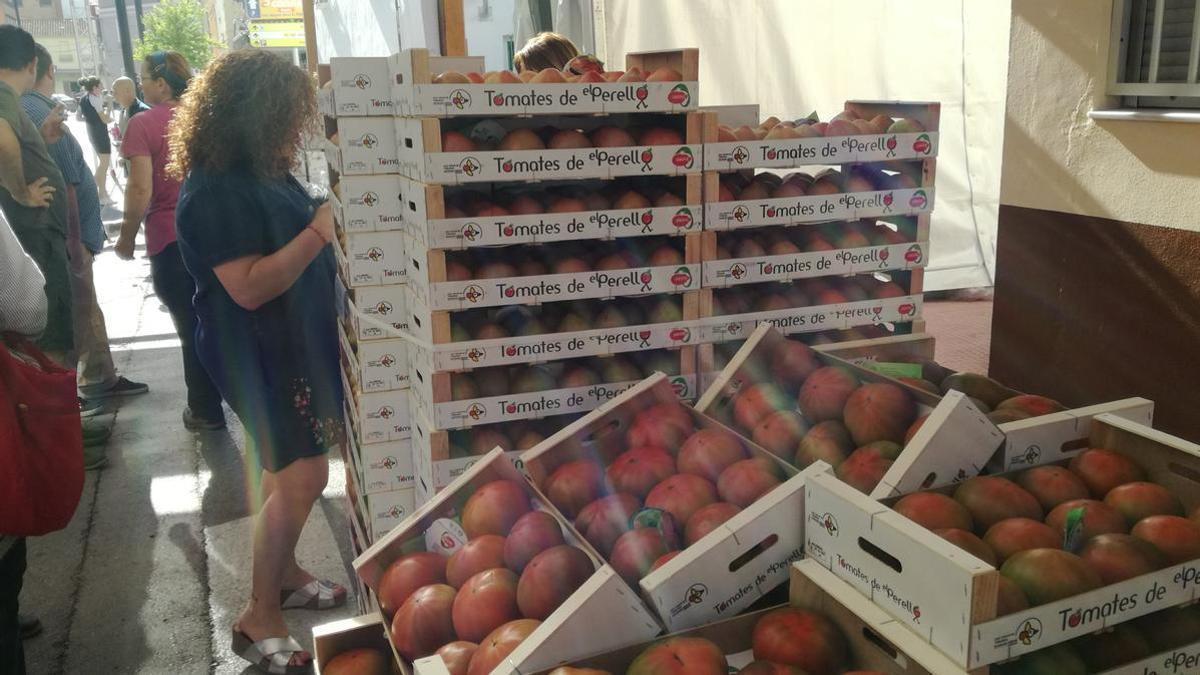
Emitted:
<point x="445" y="536"/>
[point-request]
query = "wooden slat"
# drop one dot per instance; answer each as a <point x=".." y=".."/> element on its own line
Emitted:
<point x="454" y="35"/>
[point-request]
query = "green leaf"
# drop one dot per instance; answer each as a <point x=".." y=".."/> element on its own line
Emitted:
<point x="180" y="26"/>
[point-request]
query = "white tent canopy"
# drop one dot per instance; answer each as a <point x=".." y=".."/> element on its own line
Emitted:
<point x="792" y="58"/>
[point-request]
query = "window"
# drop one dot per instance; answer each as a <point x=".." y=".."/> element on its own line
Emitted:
<point x="1155" y="53"/>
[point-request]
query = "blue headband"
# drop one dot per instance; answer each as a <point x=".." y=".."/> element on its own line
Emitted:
<point x="158" y="67"/>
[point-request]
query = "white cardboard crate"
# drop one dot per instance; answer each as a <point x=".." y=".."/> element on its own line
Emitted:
<point x="815" y="318"/>
<point x="378" y="417"/>
<point x="375" y="365"/>
<point x="371" y="258"/>
<point x="359" y="86"/>
<point x="365" y="146"/>
<point x="368" y="203"/>
<point x="738" y="214"/>
<point x="957" y="614"/>
<point x="886" y="258"/>
<point x="698" y="585"/>
<point x="386" y="510"/>
<point x="336" y="637"/>
<point x="416" y="95"/>
<point x="373" y="312"/>
<point x="600" y="615"/>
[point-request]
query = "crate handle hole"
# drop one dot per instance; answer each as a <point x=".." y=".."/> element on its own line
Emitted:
<point x="408" y="143"/>
<point x="881" y="555"/>
<point x="419" y="376"/>
<point x="412" y="206"/>
<point x="928" y="482"/>
<point x="1184" y="472"/>
<point x="883" y="645"/>
<point x="755" y="551"/>
<point x="1077" y="444"/>
<point x="399" y="78"/>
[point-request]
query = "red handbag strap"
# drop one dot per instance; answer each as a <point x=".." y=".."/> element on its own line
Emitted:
<point x="19" y="343"/>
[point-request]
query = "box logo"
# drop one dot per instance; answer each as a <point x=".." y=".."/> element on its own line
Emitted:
<point x="474" y="293"/>
<point x="1029" y="632"/>
<point x="742" y="214"/>
<point x="1030" y="456"/>
<point x="477" y="411"/>
<point x="476" y="354"/>
<point x="389" y="462"/>
<point x="738" y="271"/>
<point x="386" y="412"/>
<point x="828" y="523"/>
<point x="679" y="95"/>
<point x="918" y="200"/>
<point x="681" y="277"/>
<point x="461" y="99"/>
<point x="641" y="93"/>
<point x="375" y="254"/>
<point x="913" y="254"/>
<point x="383" y="307"/>
<point x="368" y="141"/>
<point x="890" y="144"/>
<point x="469" y="166"/>
<point x="908" y="309"/>
<point x="922" y="145"/>
<point x="679" y="385"/>
<point x="694" y="595"/>
<point x="680" y="334"/>
<point x="387" y="360"/>
<point x="887" y="202"/>
<point x="369" y="199"/>
<point x="362" y="81"/>
<point x="681" y="220"/>
<point x="740" y="154"/>
<point x="684" y="158"/>
<point x="647" y="157"/>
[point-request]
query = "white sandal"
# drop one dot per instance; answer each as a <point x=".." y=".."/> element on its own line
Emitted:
<point x="272" y="655"/>
<point x="316" y="594"/>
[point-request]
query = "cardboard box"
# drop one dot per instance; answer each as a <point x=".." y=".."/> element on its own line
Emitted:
<point x="384" y="467"/>
<point x="536" y="405"/>
<point x="530" y="290"/>
<point x="1183" y="659"/>
<point x="386" y="510"/>
<point x="955" y="442"/>
<point x="421" y="158"/>
<point x="888" y="258"/>
<point x="910" y="348"/>
<point x="336" y="637"/>
<point x="874" y="641"/>
<point x="373" y="312"/>
<point x="957" y="614"/>
<point x="425" y="208"/>
<point x="415" y="95"/>
<point x="377" y="417"/>
<point x="794" y="153"/>
<point x="473" y="354"/>
<point x="375" y="365"/>
<point x="368" y="203"/>
<point x="1055" y="437"/>
<point x="364" y="146"/>
<point x="371" y="258"/>
<point x="600" y="615"/>
<point x="360" y="86"/>
<point x="815" y="318"/>
<point x="739" y="214"/>
<point x="730" y="568"/>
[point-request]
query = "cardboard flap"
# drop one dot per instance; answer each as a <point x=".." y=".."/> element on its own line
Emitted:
<point x="615" y="617"/>
<point x="953" y="444"/>
<point x="1050" y="438"/>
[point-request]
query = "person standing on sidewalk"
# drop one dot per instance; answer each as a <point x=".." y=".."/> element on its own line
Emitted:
<point x="22" y="310"/>
<point x="125" y="94"/>
<point x="32" y="189"/>
<point x="151" y="194"/>
<point x="92" y="107"/>
<point x="258" y="246"/>
<point x="85" y="239"/>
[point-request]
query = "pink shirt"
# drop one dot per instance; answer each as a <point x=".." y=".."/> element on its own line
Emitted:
<point x="146" y="136"/>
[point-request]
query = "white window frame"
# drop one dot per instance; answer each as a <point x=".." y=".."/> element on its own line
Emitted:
<point x="1118" y="53"/>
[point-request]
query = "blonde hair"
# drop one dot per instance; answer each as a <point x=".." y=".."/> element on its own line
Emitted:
<point x="545" y="50"/>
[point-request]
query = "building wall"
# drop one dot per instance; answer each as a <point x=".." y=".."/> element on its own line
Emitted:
<point x="110" y="42"/>
<point x="792" y="58"/>
<point x="1098" y="284"/>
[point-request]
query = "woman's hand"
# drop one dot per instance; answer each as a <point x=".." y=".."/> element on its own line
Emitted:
<point x="322" y="222"/>
<point x="124" y="247"/>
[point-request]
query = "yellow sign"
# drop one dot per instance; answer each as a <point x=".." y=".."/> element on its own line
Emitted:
<point x="276" y="33"/>
<point x="274" y="9"/>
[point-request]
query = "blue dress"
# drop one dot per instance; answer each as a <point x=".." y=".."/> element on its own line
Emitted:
<point x="277" y="366"/>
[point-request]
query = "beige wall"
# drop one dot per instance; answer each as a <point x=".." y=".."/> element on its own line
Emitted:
<point x="1056" y="158"/>
<point x="793" y="57"/>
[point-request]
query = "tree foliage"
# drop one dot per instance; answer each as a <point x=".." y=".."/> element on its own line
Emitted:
<point x="177" y="25"/>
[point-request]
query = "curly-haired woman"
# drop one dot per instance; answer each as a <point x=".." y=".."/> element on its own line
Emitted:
<point x="257" y="245"/>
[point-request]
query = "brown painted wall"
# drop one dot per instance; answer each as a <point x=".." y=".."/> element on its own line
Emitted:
<point x="1089" y="310"/>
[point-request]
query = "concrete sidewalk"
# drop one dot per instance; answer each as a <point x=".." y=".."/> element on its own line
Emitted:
<point x="155" y="564"/>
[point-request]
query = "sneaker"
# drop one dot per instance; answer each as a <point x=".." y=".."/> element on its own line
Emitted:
<point x="124" y="387"/>
<point x="94" y="436"/>
<point x="30" y="626"/>
<point x="193" y="423"/>
<point x="94" y="458"/>
<point x="90" y="407"/>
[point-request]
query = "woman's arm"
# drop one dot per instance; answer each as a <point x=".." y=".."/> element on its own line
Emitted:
<point x="253" y="281"/>
<point x="137" y="200"/>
